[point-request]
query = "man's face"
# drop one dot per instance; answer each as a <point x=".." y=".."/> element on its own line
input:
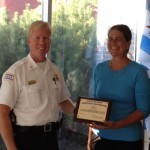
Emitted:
<point x="39" y="43"/>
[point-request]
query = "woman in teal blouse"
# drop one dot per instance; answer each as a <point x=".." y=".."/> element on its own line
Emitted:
<point x="126" y="84"/>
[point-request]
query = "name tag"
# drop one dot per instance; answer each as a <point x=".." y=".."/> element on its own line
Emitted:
<point x="31" y="82"/>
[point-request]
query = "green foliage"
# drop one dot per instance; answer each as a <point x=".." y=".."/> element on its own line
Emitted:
<point x="72" y="24"/>
<point x="13" y="37"/>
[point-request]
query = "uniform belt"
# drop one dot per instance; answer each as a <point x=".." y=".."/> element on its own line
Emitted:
<point x="51" y="126"/>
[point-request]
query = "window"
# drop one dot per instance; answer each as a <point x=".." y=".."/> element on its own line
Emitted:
<point x="74" y="45"/>
<point x="122" y="12"/>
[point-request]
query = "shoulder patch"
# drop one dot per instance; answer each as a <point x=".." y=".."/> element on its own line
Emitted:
<point x="9" y="77"/>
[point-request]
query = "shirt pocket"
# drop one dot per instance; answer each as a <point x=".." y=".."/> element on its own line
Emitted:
<point x="55" y="89"/>
<point x="34" y="95"/>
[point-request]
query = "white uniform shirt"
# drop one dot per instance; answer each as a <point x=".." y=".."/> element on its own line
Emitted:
<point x="32" y="92"/>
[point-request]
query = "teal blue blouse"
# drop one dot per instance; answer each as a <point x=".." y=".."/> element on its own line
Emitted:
<point x="129" y="90"/>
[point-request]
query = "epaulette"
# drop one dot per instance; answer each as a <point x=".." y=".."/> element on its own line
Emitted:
<point x="18" y="64"/>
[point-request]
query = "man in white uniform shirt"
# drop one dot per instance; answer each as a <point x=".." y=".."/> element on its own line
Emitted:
<point x="35" y="90"/>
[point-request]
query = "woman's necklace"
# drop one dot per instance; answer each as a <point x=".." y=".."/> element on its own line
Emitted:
<point x="124" y="64"/>
<point x="110" y="65"/>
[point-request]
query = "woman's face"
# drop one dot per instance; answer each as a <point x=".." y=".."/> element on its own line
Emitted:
<point x="117" y="44"/>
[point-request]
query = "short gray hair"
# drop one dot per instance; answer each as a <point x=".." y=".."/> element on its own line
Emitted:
<point x="38" y="25"/>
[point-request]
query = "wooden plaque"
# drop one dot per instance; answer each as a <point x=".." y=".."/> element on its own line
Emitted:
<point x="90" y="110"/>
